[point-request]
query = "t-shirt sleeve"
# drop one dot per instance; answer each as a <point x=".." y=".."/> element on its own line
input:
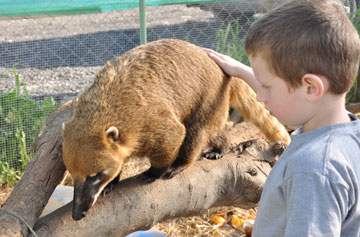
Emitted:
<point x="315" y="205"/>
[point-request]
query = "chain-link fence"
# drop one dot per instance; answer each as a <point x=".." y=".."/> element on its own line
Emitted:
<point x="51" y="50"/>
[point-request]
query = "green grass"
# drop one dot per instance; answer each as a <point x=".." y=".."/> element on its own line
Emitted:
<point x="20" y="120"/>
<point x="228" y="42"/>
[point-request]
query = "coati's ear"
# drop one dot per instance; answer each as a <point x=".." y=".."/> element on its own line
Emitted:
<point x="112" y="133"/>
<point x="63" y="126"/>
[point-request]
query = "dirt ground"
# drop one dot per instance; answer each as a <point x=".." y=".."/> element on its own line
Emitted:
<point x="195" y="225"/>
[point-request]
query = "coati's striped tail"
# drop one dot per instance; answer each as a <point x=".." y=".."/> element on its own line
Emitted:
<point x="243" y="99"/>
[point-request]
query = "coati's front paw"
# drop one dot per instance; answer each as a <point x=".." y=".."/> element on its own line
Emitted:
<point x="147" y="177"/>
<point x="172" y="171"/>
<point x="108" y="188"/>
<point x="212" y="155"/>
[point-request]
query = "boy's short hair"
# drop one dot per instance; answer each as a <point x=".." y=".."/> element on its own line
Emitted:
<point x="307" y="36"/>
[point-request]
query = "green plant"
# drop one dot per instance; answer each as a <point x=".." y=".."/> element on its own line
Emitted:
<point x="8" y="175"/>
<point x="187" y="38"/>
<point x="354" y="94"/>
<point x="20" y="120"/>
<point x="356" y="20"/>
<point x="228" y="42"/>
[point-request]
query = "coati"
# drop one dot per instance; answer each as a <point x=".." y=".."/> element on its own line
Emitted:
<point x="164" y="100"/>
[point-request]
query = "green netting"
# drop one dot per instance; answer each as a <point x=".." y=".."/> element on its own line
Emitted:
<point x="58" y="7"/>
<point x="66" y="54"/>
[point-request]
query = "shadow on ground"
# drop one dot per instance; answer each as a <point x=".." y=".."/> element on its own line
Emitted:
<point x="95" y="49"/>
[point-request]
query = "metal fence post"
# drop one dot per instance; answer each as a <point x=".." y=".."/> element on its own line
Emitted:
<point x="142" y="6"/>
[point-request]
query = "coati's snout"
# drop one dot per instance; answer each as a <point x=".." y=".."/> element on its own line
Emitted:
<point x="86" y="194"/>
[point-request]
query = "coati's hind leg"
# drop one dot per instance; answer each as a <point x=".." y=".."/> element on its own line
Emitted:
<point x="168" y="136"/>
<point x="190" y="150"/>
<point x="218" y="146"/>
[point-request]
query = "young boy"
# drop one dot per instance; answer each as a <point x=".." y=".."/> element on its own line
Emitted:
<point x="304" y="57"/>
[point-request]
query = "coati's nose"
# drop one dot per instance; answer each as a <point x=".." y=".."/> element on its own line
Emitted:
<point x="78" y="215"/>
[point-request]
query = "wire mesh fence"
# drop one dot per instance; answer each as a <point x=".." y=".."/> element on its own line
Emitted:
<point x="51" y="50"/>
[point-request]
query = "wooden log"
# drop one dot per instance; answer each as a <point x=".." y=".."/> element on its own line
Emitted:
<point x="133" y="205"/>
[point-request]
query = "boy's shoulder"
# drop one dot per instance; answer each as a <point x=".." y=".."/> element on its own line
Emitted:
<point x="330" y="151"/>
<point x="341" y="135"/>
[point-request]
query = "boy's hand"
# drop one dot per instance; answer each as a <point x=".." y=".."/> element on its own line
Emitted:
<point x="227" y="63"/>
<point x="234" y="68"/>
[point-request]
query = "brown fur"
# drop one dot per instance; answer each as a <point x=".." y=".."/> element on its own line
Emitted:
<point x="167" y="99"/>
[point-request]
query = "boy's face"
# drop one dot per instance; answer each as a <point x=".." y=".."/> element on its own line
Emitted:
<point x="287" y="105"/>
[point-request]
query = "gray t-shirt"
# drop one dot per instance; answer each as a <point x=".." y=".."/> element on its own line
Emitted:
<point x="313" y="189"/>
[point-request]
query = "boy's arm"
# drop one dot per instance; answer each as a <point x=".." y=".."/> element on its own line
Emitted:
<point x="234" y="68"/>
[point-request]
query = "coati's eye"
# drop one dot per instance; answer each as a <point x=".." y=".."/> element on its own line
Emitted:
<point x="106" y="172"/>
<point x="93" y="176"/>
<point x="93" y="179"/>
<point x="98" y="177"/>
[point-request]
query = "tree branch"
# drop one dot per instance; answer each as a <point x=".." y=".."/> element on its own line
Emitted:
<point x="133" y="205"/>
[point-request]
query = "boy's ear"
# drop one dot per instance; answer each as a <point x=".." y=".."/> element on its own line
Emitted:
<point x="314" y="86"/>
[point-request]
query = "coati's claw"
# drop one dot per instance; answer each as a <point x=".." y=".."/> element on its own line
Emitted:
<point x="110" y="186"/>
<point x="147" y="177"/>
<point x="173" y="171"/>
<point x="212" y="155"/>
<point x="107" y="189"/>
